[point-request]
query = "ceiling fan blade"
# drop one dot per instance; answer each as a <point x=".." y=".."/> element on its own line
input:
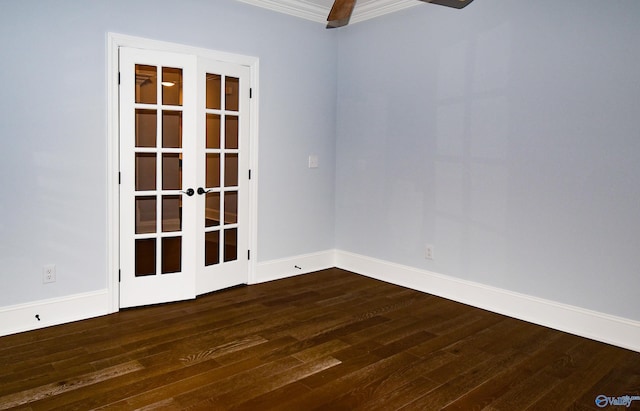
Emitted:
<point x="340" y="13"/>
<point x="456" y="4"/>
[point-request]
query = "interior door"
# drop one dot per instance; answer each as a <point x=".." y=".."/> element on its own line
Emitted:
<point x="223" y="175"/>
<point x="183" y="176"/>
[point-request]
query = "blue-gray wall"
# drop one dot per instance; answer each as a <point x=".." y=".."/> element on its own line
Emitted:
<point x="507" y="135"/>
<point x="53" y="116"/>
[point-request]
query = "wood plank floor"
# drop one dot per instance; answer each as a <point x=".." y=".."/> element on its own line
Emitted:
<point x="328" y="340"/>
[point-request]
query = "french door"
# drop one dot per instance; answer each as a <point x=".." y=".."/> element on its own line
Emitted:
<point x="184" y="164"/>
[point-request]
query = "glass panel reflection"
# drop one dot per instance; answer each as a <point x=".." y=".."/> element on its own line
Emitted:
<point x="231" y="170"/>
<point x="171" y="171"/>
<point x="171" y="213"/>
<point x="145" y="171"/>
<point x="213" y="131"/>
<point x="146" y="84"/>
<point x="145" y="257"/>
<point x="171" y="129"/>
<point x="232" y="93"/>
<point x="231" y="132"/>
<point x="145" y="215"/>
<point x="172" y="86"/>
<point x="230" y="207"/>
<point x="212" y="210"/>
<point x="171" y="255"/>
<point x="231" y="244"/>
<point x="212" y="248"/>
<point x="213" y="170"/>
<point x="146" y="125"/>
<point x="213" y="91"/>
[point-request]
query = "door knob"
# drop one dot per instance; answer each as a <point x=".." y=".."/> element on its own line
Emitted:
<point x="189" y="192"/>
<point x="202" y="191"/>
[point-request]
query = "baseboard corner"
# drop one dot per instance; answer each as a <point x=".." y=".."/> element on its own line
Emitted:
<point x="618" y="331"/>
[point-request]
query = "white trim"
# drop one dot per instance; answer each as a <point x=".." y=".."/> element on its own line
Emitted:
<point x="297" y="8"/>
<point x="314" y="12"/>
<point x="22" y="317"/>
<point x="123" y="40"/>
<point x="379" y="8"/>
<point x="253" y="166"/>
<point x="113" y="166"/>
<point x="114" y="42"/>
<point x="597" y="326"/>
<point x="292" y="266"/>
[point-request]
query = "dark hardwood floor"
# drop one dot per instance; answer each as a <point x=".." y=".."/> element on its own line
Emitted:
<point x="328" y="340"/>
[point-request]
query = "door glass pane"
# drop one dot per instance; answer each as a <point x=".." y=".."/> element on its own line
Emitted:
<point x="232" y="93"/>
<point x="146" y="125"/>
<point x="171" y="129"/>
<point x="146" y="84"/>
<point x="171" y="171"/>
<point x="212" y="210"/>
<point x="171" y="213"/>
<point x="172" y="86"/>
<point x="212" y="248"/>
<point x="145" y="257"/>
<point x="213" y="170"/>
<point x="213" y="91"/>
<point x="213" y="131"/>
<point x="145" y="171"/>
<point x="230" y="207"/>
<point x="231" y="170"/>
<point x="171" y="254"/>
<point x="231" y="244"/>
<point x="145" y="215"/>
<point x="231" y="132"/>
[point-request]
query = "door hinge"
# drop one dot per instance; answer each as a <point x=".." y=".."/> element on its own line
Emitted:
<point x="119" y="276"/>
<point x="248" y="254"/>
<point x="249" y="174"/>
<point x="118" y="78"/>
<point x="250" y="92"/>
<point x="119" y="177"/>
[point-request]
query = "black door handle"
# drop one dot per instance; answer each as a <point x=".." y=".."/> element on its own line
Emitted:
<point x="189" y="192"/>
<point x="202" y="191"/>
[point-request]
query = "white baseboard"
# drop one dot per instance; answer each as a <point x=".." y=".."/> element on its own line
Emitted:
<point x="291" y="266"/>
<point x="597" y="326"/>
<point x="22" y="317"/>
<point x="594" y="325"/>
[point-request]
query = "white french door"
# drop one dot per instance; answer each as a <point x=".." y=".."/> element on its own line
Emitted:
<point x="184" y="127"/>
<point x="222" y="209"/>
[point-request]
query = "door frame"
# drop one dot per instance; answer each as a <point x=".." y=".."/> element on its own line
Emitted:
<point x="114" y="42"/>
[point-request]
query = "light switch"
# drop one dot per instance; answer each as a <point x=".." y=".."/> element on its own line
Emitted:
<point x="313" y="161"/>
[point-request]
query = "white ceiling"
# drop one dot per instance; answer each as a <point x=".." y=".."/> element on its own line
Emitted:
<point x="317" y="10"/>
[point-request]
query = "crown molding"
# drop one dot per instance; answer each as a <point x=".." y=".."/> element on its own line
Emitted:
<point x="309" y="10"/>
<point x="379" y="8"/>
<point x="297" y="8"/>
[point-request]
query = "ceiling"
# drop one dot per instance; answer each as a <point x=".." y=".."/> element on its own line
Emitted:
<point x="318" y="10"/>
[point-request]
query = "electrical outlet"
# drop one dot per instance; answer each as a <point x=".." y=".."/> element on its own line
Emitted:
<point x="428" y="251"/>
<point x="49" y="273"/>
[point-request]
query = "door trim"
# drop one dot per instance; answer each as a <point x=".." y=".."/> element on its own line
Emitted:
<point x="114" y="42"/>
